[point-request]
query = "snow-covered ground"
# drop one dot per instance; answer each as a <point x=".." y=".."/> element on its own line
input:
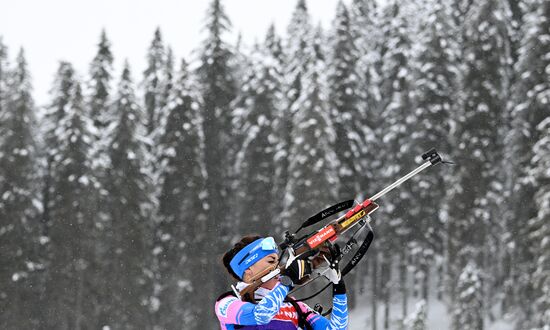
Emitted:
<point x="438" y="317"/>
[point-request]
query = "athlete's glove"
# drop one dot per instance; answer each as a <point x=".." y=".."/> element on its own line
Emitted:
<point x="297" y="270"/>
<point x="339" y="288"/>
<point x="327" y="265"/>
<point x="331" y="271"/>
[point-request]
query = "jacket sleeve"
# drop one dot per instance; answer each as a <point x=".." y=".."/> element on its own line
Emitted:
<point x="231" y="310"/>
<point x="338" y="318"/>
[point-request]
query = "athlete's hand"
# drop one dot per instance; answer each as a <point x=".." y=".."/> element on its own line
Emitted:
<point x="297" y="270"/>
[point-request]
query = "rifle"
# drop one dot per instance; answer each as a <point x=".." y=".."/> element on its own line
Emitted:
<point x="319" y="241"/>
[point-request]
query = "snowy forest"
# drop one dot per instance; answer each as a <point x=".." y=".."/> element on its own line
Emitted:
<point x="118" y="198"/>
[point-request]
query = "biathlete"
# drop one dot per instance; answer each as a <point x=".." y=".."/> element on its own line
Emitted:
<point x="272" y="308"/>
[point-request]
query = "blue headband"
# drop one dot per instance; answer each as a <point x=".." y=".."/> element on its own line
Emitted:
<point x="251" y="254"/>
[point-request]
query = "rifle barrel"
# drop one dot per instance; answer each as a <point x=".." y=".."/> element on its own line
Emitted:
<point x="400" y="181"/>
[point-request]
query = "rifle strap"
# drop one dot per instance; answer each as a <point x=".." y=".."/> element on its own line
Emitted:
<point x="302" y="317"/>
<point x="359" y="254"/>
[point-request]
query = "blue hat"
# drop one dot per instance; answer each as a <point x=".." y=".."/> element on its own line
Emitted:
<point x="252" y="253"/>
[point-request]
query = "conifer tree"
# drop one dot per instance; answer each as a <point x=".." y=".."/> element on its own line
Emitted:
<point x="530" y="103"/>
<point x="254" y="113"/>
<point x="153" y="79"/>
<point x="167" y="85"/>
<point x="181" y="223"/>
<point x="394" y="133"/>
<point x="367" y="36"/>
<point x="99" y="109"/>
<point x="129" y="209"/>
<point x="435" y="72"/>
<point x="218" y="90"/>
<point x="468" y="313"/>
<point x="344" y="100"/>
<point x="354" y="137"/>
<point x="71" y="216"/>
<point x="19" y="206"/>
<point x="417" y="319"/>
<point x="299" y="39"/>
<point x="312" y="182"/>
<point x="474" y="187"/>
<point x="4" y="67"/>
<point x="101" y="70"/>
<point x="274" y="52"/>
<point x="4" y="82"/>
<point x="273" y="44"/>
<point x="540" y="228"/>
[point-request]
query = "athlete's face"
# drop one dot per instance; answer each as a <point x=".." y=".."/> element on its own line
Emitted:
<point x="269" y="261"/>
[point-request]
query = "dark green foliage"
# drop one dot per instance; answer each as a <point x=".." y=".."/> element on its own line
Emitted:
<point x="152" y="82"/>
<point x="129" y="210"/>
<point x="100" y="90"/>
<point x="18" y="197"/>
<point x="217" y="87"/>
<point x="475" y="189"/>
<point x="344" y="98"/>
<point x="254" y="115"/>
<point x="69" y="213"/>
<point x="468" y="313"/>
<point x="526" y="154"/>
<point x="181" y="223"/>
<point x="435" y="76"/>
<point x="312" y="162"/>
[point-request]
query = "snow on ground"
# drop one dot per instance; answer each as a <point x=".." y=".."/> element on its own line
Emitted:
<point x="438" y="317"/>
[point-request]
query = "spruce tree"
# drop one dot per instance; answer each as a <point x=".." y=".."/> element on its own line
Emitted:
<point x="19" y="206"/>
<point x="254" y="114"/>
<point x="417" y="319"/>
<point x="4" y="68"/>
<point x="129" y="210"/>
<point x="99" y="89"/>
<point x="540" y="227"/>
<point x="299" y="39"/>
<point x="394" y="133"/>
<point x="312" y="182"/>
<point x="274" y="52"/>
<point x="181" y="224"/>
<point x="344" y="99"/>
<point x="530" y="100"/>
<point x="167" y="86"/>
<point x="474" y="192"/>
<point x="218" y="89"/>
<point x="70" y="212"/>
<point x="274" y="48"/>
<point x="468" y="311"/>
<point x="99" y="101"/>
<point x="435" y="72"/>
<point x="153" y="79"/>
<point x="4" y="81"/>
<point x="353" y="141"/>
<point x="367" y="36"/>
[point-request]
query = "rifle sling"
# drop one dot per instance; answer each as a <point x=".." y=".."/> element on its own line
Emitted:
<point x="359" y="254"/>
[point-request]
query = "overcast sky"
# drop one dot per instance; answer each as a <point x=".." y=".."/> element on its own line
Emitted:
<point x="54" y="30"/>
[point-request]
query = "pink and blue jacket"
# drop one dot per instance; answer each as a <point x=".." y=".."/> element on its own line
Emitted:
<point x="272" y="313"/>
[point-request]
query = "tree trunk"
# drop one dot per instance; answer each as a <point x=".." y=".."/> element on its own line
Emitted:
<point x="78" y="307"/>
<point x="403" y="282"/>
<point x="386" y="278"/>
<point x="374" y="276"/>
